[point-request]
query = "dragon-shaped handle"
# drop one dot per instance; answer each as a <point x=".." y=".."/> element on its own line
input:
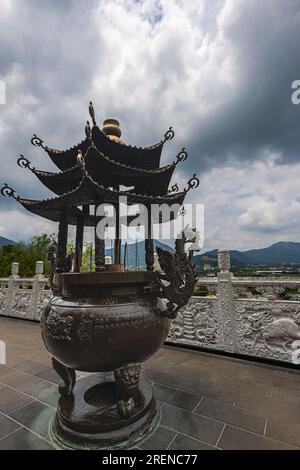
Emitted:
<point x="175" y="284"/>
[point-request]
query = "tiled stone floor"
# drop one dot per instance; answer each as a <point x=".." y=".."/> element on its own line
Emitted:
<point x="207" y="402"/>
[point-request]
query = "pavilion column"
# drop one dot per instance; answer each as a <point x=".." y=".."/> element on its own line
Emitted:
<point x="62" y="240"/>
<point x="78" y="243"/>
<point x="79" y="239"/>
<point x="99" y="247"/>
<point x="117" y="254"/>
<point x="149" y="249"/>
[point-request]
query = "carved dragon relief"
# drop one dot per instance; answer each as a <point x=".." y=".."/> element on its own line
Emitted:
<point x="175" y="285"/>
<point x="268" y="331"/>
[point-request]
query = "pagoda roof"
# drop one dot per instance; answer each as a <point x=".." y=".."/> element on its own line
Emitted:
<point x="106" y="172"/>
<point x="89" y="192"/>
<point x="144" y="158"/>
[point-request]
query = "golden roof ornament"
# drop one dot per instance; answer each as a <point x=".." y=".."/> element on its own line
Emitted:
<point x="111" y="128"/>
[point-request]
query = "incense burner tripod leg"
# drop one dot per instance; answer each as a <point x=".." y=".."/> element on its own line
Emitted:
<point x="127" y="387"/>
<point x="67" y="375"/>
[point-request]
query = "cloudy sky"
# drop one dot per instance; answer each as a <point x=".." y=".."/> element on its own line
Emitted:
<point x="218" y="71"/>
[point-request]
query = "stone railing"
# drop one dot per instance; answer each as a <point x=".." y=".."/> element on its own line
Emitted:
<point x="239" y="315"/>
<point x="24" y="297"/>
<point x="242" y="316"/>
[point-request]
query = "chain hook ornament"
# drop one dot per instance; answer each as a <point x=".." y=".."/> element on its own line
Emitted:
<point x="193" y="183"/>
<point x="181" y="157"/>
<point x="7" y="191"/>
<point x="37" y="142"/>
<point x="173" y="189"/>
<point x="168" y="135"/>
<point x="23" y="162"/>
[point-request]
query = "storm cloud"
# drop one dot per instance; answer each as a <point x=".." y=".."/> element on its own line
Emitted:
<point x="220" y="72"/>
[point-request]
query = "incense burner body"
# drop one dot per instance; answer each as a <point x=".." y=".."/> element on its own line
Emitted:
<point x="103" y="321"/>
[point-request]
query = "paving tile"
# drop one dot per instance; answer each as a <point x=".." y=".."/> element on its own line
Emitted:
<point x="5" y="371"/>
<point x="24" y="440"/>
<point x="215" y="390"/>
<point x="182" y="442"/>
<point x="31" y="367"/>
<point x="289" y="395"/>
<point x="13" y="361"/>
<point x="237" y="439"/>
<point x="274" y="377"/>
<point x="50" y="375"/>
<point x="175" y="397"/>
<point x="35" y="416"/>
<point x="233" y="415"/>
<point x="190" y="374"/>
<point x="268" y="407"/>
<point x="284" y="431"/>
<point x="264" y="390"/>
<point x="45" y="392"/>
<point x="7" y="426"/>
<point x="10" y="400"/>
<point x="162" y="378"/>
<point x="160" y="440"/>
<point x="20" y="381"/>
<point x="191" y="424"/>
<point x="167" y="361"/>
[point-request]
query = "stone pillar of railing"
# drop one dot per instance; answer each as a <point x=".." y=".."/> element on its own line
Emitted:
<point x="11" y="288"/>
<point x="15" y="270"/>
<point x="226" y="300"/>
<point x="37" y="286"/>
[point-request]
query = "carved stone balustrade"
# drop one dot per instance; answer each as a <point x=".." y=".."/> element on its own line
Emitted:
<point x="240" y="315"/>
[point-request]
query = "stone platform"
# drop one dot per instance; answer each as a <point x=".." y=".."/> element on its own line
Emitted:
<point x="207" y="402"/>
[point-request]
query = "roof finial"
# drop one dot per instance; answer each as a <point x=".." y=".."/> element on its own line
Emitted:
<point x="111" y="128"/>
<point x="88" y="130"/>
<point x="92" y="113"/>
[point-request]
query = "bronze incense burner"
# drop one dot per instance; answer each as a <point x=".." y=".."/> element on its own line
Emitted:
<point x="106" y="323"/>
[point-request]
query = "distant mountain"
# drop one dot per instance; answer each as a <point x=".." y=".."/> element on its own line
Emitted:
<point x="136" y="251"/>
<point x="282" y="253"/>
<point x="6" y="241"/>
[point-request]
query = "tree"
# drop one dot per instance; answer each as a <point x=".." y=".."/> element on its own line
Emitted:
<point x="26" y="254"/>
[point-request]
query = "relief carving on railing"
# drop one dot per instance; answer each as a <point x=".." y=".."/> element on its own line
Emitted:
<point x="3" y="294"/>
<point x="267" y="329"/>
<point x="198" y="324"/>
<point x="21" y="303"/>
